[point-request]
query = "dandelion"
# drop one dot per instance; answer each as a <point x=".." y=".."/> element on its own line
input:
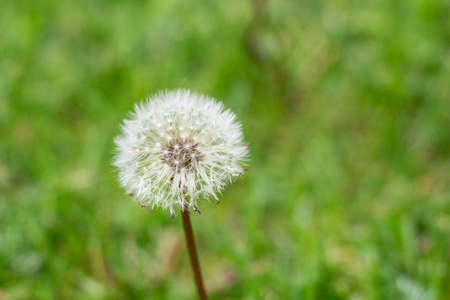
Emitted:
<point x="177" y="149"/>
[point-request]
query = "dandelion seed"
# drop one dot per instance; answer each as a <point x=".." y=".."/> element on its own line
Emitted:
<point x="171" y="166"/>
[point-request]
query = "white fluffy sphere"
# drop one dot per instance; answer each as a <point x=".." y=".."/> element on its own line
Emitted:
<point x="177" y="148"/>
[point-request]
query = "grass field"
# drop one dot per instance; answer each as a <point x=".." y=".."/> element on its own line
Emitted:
<point x="346" y="108"/>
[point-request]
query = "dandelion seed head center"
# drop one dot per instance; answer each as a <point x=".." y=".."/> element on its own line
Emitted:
<point x="180" y="154"/>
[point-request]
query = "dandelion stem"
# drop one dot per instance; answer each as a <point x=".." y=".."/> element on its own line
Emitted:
<point x="193" y="254"/>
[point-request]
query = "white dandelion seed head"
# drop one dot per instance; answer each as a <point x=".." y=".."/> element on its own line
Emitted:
<point x="179" y="147"/>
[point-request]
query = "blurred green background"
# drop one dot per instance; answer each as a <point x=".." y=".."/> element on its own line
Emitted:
<point x="346" y="106"/>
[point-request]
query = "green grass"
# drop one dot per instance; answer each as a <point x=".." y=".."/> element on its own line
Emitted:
<point x="346" y="107"/>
